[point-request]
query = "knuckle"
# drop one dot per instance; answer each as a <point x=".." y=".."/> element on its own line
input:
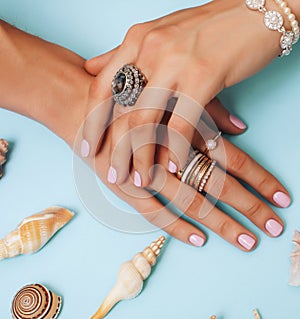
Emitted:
<point x="158" y="37"/>
<point x="224" y="227"/>
<point x="264" y="183"/>
<point x="238" y="161"/>
<point x="254" y="210"/>
<point x="179" y="125"/>
<point x="134" y="31"/>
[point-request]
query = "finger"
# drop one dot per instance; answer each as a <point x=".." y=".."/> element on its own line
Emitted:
<point x="120" y="150"/>
<point x="143" y="123"/>
<point x="194" y="205"/>
<point x="157" y="214"/>
<point x="100" y="105"/>
<point x="244" y="167"/>
<point x="227" y="189"/>
<point x="217" y="115"/>
<point x="181" y="128"/>
<point x="95" y="65"/>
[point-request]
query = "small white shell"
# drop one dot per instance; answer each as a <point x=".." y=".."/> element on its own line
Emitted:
<point x="131" y="277"/>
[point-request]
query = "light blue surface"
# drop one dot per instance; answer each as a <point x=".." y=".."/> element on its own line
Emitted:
<point x="81" y="262"/>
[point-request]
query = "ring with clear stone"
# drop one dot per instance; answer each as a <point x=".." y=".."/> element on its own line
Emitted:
<point x="127" y="85"/>
<point x="211" y="144"/>
<point x="274" y="21"/>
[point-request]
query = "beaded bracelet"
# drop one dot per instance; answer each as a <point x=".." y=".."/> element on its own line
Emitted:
<point x="274" y="21"/>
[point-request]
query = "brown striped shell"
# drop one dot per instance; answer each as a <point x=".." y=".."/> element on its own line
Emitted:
<point x="35" y="302"/>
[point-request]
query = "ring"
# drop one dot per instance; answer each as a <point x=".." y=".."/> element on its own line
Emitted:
<point x="211" y="144"/>
<point x="197" y="171"/>
<point x="127" y="85"/>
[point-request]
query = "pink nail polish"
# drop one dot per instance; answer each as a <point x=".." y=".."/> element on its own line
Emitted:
<point x="196" y="240"/>
<point x="85" y="148"/>
<point x="282" y="199"/>
<point x="137" y="179"/>
<point x="172" y="167"/>
<point x="273" y="227"/>
<point x="246" y="241"/>
<point x="237" y="122"/>
<point x="112" y="175"/>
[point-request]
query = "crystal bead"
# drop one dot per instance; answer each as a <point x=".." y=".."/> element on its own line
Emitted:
<point x="286" y="40"/>
<point x="255" y="4"/>
<point x="273" y="20"/>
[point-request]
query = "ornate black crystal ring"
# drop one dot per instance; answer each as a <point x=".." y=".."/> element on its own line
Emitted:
<point x="127" y="85"/>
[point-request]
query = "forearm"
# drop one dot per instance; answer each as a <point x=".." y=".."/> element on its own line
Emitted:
<point x="42" y="81"/>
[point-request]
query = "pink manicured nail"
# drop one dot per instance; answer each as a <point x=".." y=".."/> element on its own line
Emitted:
<point x="246" y="241"/>
<point x="137" y="179"/>
<point x="85" y="148"/>
<point x="196" y="240"/>
<point x="172" y="167"/>
<point x="282" y="199"/>
<point x="112" y="175"/>
<point x="237" y="122"/>
<point x="273" y="227"/>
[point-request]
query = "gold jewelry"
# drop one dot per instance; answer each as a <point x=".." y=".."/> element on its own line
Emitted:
<point x="197" y="171"/>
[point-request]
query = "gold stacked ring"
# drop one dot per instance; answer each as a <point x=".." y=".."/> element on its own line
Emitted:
<point x="197" y="171"/>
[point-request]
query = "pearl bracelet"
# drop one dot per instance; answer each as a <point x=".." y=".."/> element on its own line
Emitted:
<point x="274" y="21"/>
<point x="291" y="18"/>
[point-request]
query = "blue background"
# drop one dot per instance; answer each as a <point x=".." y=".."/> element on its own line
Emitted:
<point x="81" y="262"/>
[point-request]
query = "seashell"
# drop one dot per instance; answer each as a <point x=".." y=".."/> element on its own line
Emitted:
<point x="35" y="301"/>
<point x="256" y="314"/>
<point x="131" y="277"/>
<point x="34" y="232"/>
<point x="3" y="151"/>
<point x="295" y="259"/>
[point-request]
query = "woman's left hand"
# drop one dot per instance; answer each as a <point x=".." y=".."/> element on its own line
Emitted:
<point x="192" y="54"/>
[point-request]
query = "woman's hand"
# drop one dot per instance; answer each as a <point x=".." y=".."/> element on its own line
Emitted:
<point x="63" y="112"/>
<point x="192" y="53"/>
<point x="221" y="185"/>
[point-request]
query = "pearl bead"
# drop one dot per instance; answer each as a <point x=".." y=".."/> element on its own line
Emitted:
<point x="287" y="11"/>
<point x="291" y="17"/>
<point x="294" y="23"/>
<point x="282" y="5"/>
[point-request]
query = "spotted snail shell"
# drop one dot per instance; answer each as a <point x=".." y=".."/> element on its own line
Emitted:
<point x="3" y="151"/>
<point x="35" y="302"/>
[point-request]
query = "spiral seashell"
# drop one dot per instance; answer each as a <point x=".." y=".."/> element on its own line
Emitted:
<point x="3" y="151"/>
<point x="35" y="302"/>
<point x="34" y="232"/>
<point x="131" y="277"/>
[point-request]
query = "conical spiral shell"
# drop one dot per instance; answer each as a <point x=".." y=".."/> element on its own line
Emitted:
<point x="35" y="302"/>
<point x="34" y="232"/>
<point x="131" y="277"/>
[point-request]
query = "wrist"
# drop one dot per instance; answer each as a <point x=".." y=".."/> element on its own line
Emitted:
<point x="52" y="86"/>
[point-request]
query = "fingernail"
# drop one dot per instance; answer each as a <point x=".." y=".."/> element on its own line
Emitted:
<point x="246" y="241"/>
<point x="273" y="227"/>
<point x="196" y="240"/>
<point x="172" y="167"/>
<point x="237" y="122"/>
<point x="112" y="175"/>
<point x="85" y="148"/>
<point x="137" y="179"/>
<point x="282" y="199"/>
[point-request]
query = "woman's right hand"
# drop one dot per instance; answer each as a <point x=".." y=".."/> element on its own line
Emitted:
<point x="221" y="185"/>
